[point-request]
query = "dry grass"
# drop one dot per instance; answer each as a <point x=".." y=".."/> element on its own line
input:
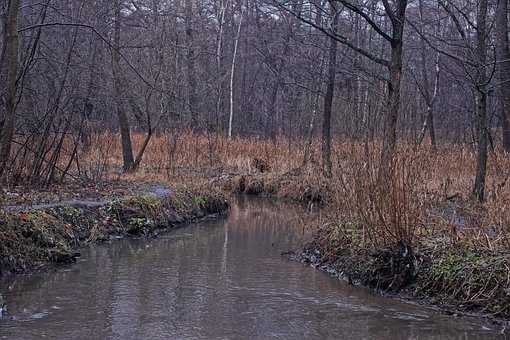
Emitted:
<point x="428" y="194"/>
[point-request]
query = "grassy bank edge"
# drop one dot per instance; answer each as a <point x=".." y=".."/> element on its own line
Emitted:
<point x="460" y="281"/>
<point x="32" y="239"/>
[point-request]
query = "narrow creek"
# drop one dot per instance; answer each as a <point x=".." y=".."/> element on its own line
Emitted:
<point x="222" y="279"/>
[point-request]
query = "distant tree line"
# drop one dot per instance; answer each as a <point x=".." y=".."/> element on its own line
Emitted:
<point x="424" y="70"/>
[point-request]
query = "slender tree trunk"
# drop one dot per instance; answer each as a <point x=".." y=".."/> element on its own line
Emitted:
<point x="429" y="96"/>
<point x="430" y="100"/>
<point x="503" y="59"/>
<point x="481" y="102"/>
<point x="11" y="64"/>
<point x="190" y="62"/>
<point x="315" y="105"/>
<point x="271" y="128"/>
<point x="395" y="72"/>
<point x="88" y="106"/>
<point x="232" y="73"/>
<point x="328" y="101"/>
<point x="219" y="55"/>
<point x="125" y="130"/>
<point x="481" y="161"/>
<point x="431" y="126"/>
<point x="393" y="106"/>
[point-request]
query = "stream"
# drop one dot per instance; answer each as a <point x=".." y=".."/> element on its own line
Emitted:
<point x="217" y="279"/>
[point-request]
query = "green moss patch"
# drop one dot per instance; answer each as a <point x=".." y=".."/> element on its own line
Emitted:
<point x="468" y="278"/>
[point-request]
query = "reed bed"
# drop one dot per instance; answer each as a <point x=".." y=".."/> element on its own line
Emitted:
<point x="424" y="178"/>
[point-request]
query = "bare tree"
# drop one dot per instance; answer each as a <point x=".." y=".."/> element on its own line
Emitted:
<point x="396" y="14"/>
<point x="429" y="92"/>
<point x="481" y="100"/>
<point x="125" y="130"/>
<point x="190" y="61"/>
<point x="328" y="99"/>
<point x="232" y="71"/>
<point x="11" y="65"/>
<point x="503" y="62"/>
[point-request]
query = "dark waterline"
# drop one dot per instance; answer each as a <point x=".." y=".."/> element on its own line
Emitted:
<point x="220" y="279"/>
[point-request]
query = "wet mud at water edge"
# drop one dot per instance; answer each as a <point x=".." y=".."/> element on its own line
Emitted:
<point x="221" y="279"/>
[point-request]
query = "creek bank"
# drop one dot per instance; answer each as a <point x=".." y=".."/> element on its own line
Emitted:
<point x="35" y="236"/>
<point x="458" y="278"/>
<point x="439" y="268"/>
<point x="293" y="186"/>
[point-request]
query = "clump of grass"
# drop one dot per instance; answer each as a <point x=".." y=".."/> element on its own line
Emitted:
<point x="32" y="238"/>
<point x="470" y="278"/>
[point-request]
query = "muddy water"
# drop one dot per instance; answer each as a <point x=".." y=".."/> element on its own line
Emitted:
<point x="216" y="280"/>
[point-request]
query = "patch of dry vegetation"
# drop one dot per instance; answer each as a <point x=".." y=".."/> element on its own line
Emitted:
<point x="429" y="193"/>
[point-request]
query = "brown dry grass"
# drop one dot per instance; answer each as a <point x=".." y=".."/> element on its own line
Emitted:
<point x="423" y="176"/>
<point x="428" y="194"/>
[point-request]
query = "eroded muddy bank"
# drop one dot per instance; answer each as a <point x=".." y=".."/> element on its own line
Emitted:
<point x="35" y="236"/>
<point x="460" y="279"/>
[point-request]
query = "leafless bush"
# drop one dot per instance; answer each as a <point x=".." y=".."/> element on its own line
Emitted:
<point x="388" y="209"/>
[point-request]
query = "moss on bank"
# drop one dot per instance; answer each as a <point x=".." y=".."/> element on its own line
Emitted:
<point x="34" y="238"/>
<point x="438" y="270"/>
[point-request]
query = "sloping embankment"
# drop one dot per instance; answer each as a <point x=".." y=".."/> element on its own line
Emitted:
<point x="460" y="278"/>
<point x="33" y="237"/>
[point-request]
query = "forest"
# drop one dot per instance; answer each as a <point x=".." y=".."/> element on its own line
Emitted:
<point x="391" y="117"/>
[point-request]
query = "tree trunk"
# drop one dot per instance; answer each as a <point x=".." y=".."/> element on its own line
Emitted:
<point x="481" y="102"/>
<point x="328" y="101"/>
<point x="11" y="64"/>
<point x="125" y="131"/>
<point x="88" y="106"/>
<point x="431" y="127"/>
<point x="315" y="105"/>
<point x="190" y="62"/>
<point x="430" y="100"/>
<point x="219" y="57"/>
<point x="429" y="95"/>
<point x="271" y="129"/>
<point x="395" y="72"/>
<point x="481" y="162"/>
<point x="503" y="59"/>
<point x="393" y="106"/>
<point x="232" y="73"/>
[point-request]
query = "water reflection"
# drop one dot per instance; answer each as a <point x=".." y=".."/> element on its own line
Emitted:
<point x="216" y="280"/>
